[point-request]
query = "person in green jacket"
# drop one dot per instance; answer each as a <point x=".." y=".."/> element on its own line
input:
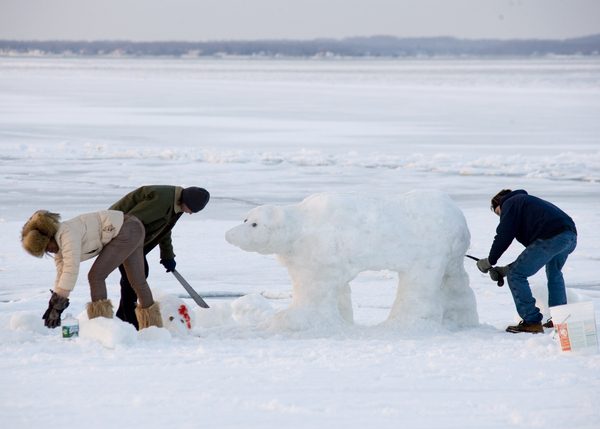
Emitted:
<point x="158" y="208"/>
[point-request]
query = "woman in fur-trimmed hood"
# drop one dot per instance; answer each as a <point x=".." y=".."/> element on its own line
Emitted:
<point x="114" y="238"/>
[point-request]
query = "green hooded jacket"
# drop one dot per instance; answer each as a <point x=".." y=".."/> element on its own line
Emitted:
<point x="158" y="208"/>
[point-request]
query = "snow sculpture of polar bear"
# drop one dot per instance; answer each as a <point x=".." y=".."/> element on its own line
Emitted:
<point x="327" y="239"/>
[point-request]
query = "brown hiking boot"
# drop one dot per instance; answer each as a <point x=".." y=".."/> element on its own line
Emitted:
<point x="524" y="327"/>
<point x="548" y="324"/>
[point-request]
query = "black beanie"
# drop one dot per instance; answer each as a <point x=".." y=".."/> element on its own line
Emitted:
<point x="195" y="198"/>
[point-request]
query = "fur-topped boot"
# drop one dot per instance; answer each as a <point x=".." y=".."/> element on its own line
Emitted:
<point x="149" y="316"/>
<point x="38" y="231"/>
<point x="102" y="308"/>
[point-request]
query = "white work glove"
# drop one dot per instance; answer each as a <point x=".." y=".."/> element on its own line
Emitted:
<point x="484" y="265"/>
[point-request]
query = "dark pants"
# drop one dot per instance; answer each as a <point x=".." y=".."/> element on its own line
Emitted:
<point x="126" y="311"/>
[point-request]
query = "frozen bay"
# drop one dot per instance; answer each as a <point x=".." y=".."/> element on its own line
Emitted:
<point x="78" y="133"/>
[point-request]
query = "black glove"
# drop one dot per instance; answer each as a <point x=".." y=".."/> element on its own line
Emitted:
<point x="169" y="264"/>
<point x="56" y="305"/>
<point x="484" y="265"/>
<point x="497" y="274"/>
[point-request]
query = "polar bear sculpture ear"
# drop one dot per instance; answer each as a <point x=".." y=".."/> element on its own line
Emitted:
<point x="277" y="234"/>
<point x="278" y="216"/>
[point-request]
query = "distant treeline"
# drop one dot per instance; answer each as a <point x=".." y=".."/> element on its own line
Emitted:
<point x="381" y="46"/>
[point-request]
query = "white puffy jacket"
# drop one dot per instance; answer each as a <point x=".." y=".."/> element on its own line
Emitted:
<point x="80" y="239"/>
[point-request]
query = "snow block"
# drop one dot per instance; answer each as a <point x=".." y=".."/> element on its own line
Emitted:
<point x="327" y="239"/>
<point x="109" y="332"/>
<point x="153" y="333"/>
<point x="252" y="309"/>
<point x="28" y="321"/>
<point x="217" y="315"/>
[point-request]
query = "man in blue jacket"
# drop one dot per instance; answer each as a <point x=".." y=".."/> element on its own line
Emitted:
<point x="549" y="237"/>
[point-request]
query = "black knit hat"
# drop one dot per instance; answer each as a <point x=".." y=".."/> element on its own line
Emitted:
<point x="195" y="198"/>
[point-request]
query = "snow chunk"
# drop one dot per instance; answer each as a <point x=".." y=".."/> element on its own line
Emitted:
<point x="21" y="327"/>
<point x="217" y="315"/>
<point x="153" y="333"/>
<point x="109" y="332"/>
<point x="252" y="309"/>
<point x="28" y="321"/>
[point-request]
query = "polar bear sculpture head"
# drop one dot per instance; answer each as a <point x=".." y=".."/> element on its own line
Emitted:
<point x="264" y="231"/>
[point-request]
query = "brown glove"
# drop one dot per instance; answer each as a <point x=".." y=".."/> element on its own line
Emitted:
<point x="56" y="305"/>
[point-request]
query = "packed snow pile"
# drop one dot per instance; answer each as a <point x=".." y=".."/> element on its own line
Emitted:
<point x="217" y="315"/>
<point x="252" y="309"/>
<point x="249" y="309"/>
<point x="109" y="332"/>
<point x="327" y="239"/>
<point x="21" y="327"/>
<point x="153" y="333"/>
<point x="28" y="321"/>
<point x="113" y="332"/>
<point x="178" y="320"/>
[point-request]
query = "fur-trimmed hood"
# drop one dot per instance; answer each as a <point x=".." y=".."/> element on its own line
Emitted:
<point x="38" y="231"/>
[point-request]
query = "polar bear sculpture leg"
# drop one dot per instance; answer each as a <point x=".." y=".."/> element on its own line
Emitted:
<point x="418" y="295"/>
<point x="460" y="306"/>
<point x="345" y="305"/>
<point x="315" y="302"/>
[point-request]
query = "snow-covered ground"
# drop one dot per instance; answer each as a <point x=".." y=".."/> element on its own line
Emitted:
<point x="77" y="134"/>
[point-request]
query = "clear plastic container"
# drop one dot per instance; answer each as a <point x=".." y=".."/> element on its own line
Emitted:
<point x="70" y="326"/>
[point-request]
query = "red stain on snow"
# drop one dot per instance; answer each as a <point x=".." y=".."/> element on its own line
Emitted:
<point x="184" y="313"/>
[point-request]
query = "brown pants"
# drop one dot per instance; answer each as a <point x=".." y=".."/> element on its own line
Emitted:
<point x="126" y="248"/>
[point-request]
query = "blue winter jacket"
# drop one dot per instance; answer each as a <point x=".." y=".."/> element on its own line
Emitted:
<point x="526" y="218"/>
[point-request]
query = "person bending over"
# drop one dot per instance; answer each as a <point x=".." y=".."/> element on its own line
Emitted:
<point x="549" y="236"/>
<point x="158" y="208"/>
<point x="110" y="236"/>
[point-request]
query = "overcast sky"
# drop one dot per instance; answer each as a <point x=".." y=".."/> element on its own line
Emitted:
<point x="204" y="20"/>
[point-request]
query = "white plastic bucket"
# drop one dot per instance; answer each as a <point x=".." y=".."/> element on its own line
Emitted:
<point x="575" y="328"/>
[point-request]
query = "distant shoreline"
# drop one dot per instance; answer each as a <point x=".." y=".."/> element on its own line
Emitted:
<point x="266" y="58"/>
<point x="366" y="47"/>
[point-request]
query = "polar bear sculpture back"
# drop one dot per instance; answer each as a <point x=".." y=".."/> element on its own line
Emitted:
<point x="327" y="239"/>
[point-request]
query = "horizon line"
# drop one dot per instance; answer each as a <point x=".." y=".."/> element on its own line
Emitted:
<point x="318" y="39"/>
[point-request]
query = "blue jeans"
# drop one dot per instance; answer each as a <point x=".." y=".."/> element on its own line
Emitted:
<point x="553" y="254"/>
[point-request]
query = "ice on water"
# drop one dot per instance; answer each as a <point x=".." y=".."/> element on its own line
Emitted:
<point x="76" y="134"/>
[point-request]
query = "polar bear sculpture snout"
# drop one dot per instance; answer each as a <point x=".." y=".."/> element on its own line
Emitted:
<point x="241" y="237"/>
<point x="259" y="231"/>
